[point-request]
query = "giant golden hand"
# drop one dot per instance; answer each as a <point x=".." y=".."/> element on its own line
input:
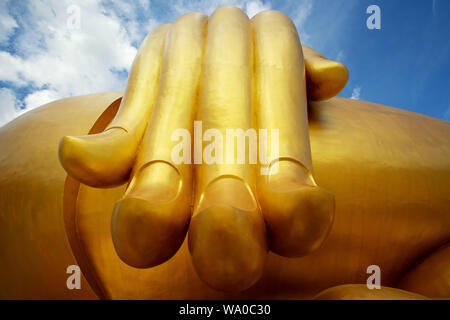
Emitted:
<point x="231" y="73"/>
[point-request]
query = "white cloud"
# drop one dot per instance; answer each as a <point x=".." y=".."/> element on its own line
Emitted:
<point x="205" y="6"/>
<point x="58" y="62"/>
<point x="300" y="15"/>
<point x="9" y="106"/>
<point x="254" y="7"/>
<point x="145" y="4"/>
<point x="40" y="97"/>
<point x="356" y="93"/>
<point x="7" y="23"/>
<point x="250" y="7"/>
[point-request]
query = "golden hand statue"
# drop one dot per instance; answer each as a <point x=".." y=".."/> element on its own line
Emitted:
<point x="228" y="72"/>
<point x="387" y="171"/>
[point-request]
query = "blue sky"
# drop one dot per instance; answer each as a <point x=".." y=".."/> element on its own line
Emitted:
<point x="405" y="64"/>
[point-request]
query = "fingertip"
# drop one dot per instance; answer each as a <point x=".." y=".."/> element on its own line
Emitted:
<point x="228" y="247"/>
<point x="298" y="220"/>
<point x="150" y="223"/>
<point x="69" y="152"/>
<point x="325" y="78"/>
<point x="98" y="160"/>
<point x="144" y="234"/>
<point x="298" y="213"/>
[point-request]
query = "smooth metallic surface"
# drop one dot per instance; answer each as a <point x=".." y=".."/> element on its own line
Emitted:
<point x="227" y="235"/>
<point x="361" y="292"/>
<point x="34" y="248"/>
<point x="298" y="213"/>
<point x="387" y="169"/>
<point x="105" y="159"/>
<point x="431" y="276"/>
<point x="151" y="220"/>
<point x="326" y="78"/>
<point x="382" y="205"/>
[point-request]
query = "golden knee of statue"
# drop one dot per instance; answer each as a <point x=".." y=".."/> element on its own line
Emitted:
<point x="227" y="169"/>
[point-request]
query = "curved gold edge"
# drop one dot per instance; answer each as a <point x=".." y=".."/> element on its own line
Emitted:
<point x="413" y="277"/>
<point x="70" y="196"/>
<point x="361" y="292"/>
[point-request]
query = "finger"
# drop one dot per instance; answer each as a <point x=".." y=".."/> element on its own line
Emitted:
<point x="324" y="78"/>
<point x="105" y="159"/>
<point x="227" y="234"/>
<point x="297" y="212"/>
<point x="151" y="221"/>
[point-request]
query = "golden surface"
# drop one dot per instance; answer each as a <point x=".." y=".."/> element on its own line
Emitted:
<point x="430" y="277"/>
<point x="34" y="251"/>
<point x="297" y="212"/>
<point x="151" y="220"/>
<point x="386" y="172"/>
<point x="105" y="159"/>
<point x="325" y="78"/>
<point x="227" y="236"/>
<point x="390" y="210"/>
<point x="252" y="76"/>
<point x="361" y="292"/>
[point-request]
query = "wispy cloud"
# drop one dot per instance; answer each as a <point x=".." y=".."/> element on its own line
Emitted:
<point x="356" y="93"/>
<point x="447" y="114"/>
<point x="7" y="23"/>
<point x="254" y="7"/>
<point x="251" y="7"/>
<point x="9" y="106"/>
<point x="50" y="61"/>
<point x="300" y="15"/>
<point x="340" y="56"/>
